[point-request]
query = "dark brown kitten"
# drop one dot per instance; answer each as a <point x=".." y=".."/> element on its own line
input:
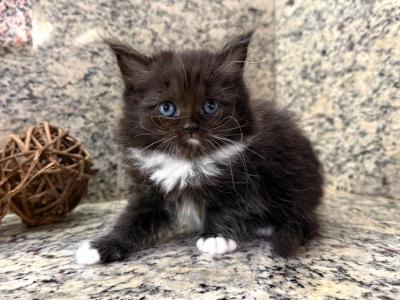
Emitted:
<point x="206" y="159"/>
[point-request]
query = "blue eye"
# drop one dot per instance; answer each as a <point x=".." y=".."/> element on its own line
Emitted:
<point x="167" y="109"/>
<point x="210" y="107"/>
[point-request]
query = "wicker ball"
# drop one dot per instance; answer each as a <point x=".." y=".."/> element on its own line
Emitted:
<point x="4" y="204"/>
<point x="43" y="174"/>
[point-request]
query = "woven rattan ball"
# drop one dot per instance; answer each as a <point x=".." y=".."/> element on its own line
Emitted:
<point x="43" y="174"/>
<point x="4" y="204"/>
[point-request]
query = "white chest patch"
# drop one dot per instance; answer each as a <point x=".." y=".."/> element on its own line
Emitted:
<point x="172" y="171"/>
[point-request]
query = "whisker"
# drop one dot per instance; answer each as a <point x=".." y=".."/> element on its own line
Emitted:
<point x="144" y="128"/>
<point x="156" y="142"/>
<point x="221" y="123"/>
<point x="165" y="128"/>
<point x="152" y="133"/>
<point x="233" y="142"/>
<point x="233" y="128"/>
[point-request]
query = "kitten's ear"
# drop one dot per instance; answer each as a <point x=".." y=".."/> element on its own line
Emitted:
<point x="235" y="52"/>
<point x="134" y="65"/>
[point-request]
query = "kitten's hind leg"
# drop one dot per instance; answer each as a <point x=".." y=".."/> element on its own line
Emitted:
<point x="287" y="239"/>
<point x="136" y="228"/>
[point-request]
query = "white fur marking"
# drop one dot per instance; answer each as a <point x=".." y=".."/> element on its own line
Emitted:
<point x="216" y="245"/>
<point x="173" y="171"/>
<point x="265" y="231"/>
<point x="86" y="255"/>
<point x="193" y="141"/>
<point x="189" y="216"/>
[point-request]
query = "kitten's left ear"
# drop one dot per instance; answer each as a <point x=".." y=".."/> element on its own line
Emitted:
<point x="236" y="50"/>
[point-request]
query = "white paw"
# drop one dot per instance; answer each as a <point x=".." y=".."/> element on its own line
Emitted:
<point x="86" y="255"/>
<point x="216" y="245"/>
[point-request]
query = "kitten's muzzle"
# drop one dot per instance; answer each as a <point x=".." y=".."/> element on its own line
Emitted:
<point x="191" y="127"/>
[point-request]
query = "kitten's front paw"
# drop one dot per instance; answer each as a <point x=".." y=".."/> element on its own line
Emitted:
<point x="216" y="245"/>
<point x="102" y="250"/>
<point x="87" y="255"/>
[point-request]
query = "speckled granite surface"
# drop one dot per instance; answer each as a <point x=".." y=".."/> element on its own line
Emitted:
<point x="70" y="79"/>
<point x="337" y="64"/>
<point x="358" y="256"/>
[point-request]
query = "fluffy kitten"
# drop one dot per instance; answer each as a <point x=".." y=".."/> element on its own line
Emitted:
<point x="205" y="159"/>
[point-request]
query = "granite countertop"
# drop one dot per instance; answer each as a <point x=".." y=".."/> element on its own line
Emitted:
<point x="358" y="256"/>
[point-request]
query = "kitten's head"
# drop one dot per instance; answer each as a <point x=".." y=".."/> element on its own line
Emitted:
<point x="187" y="103"/>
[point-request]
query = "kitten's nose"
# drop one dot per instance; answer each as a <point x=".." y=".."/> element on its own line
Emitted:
<point x="191" y="127"/>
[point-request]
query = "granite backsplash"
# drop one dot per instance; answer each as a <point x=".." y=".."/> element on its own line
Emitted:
<point x="334" y="63"/>
<point x="337" y="64"/>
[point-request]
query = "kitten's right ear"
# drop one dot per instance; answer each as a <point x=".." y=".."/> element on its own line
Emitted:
<point x="134" y="65"/>
<point x="235" y="52"/>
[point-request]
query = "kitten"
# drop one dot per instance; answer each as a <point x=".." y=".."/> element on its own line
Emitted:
<point x="206" y="159"/>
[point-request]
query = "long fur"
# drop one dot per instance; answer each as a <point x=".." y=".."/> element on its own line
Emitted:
<point x="250" y="169"/>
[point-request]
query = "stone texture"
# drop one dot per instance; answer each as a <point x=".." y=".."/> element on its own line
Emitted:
<point x="337" y="66"/>
<point x="357" y="256"/>
<point x="70" y="78"/>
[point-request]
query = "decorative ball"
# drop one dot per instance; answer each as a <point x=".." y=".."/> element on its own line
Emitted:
<point x="4" y="204"/>
<point x="43" y="174"/>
